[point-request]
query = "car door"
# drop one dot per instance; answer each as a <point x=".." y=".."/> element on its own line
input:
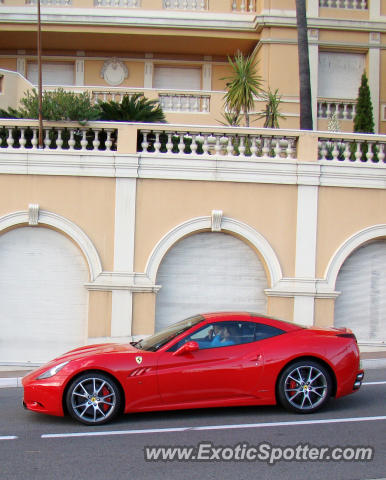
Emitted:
<point x="225" y="372"/>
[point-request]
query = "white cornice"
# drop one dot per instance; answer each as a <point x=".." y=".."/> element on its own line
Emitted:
<point x="131" y="17"/>
<point x="200" y="167"/>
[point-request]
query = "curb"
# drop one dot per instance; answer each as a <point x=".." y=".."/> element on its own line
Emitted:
<point x="367" y="364"/>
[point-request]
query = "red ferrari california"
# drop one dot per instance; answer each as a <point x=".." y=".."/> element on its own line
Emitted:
<point x="212" y="360"/>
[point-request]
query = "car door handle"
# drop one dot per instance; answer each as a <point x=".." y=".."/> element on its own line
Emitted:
<point x="256" y="358"/>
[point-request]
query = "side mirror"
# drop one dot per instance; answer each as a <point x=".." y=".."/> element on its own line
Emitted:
<point x="187" y="347"/>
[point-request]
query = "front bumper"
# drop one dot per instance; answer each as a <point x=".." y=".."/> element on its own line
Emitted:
<point x="44" y="396"/>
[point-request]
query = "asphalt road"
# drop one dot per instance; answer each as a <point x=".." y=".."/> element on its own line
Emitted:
<point x="34" y="446"/>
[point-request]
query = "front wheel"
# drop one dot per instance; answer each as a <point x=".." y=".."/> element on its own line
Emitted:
<point x="93" y="399"/>
<point x="304" y="387"/>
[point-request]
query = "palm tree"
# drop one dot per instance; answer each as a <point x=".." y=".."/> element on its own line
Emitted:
<point x="304" y="67"/>
<point x="242" y="86"/>
<point x="271" y="114"/>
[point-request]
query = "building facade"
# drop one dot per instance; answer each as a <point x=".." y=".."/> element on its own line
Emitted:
<point x="113" y="237"/>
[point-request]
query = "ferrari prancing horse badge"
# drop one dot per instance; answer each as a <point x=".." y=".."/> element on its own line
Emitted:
<point x="138" y="360"/>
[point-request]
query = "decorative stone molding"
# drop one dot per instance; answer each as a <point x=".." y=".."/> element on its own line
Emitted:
<point x="114" y="72"/>
<point x="64" y="225"/>
<point x="216" y="220"/>
<point x="228" y="225"/>
<point x="33" y="214"/>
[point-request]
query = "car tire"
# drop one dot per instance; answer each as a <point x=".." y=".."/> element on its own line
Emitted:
<point x="304" y="387"/>
<point x="93" y="399"/>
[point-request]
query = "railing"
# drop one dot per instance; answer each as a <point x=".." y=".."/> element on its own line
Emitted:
<point x="98" y="96"/>
<point x="220" y="143"/>
<point x="243" y="5"/>
<point x="71" y="138"/>
<point x="368" y="150"/>
<point x="185" y="4"/>
<point x="348" y="4"/>
<point x="205" y="142"/>
<point x="51" y="3"/>
<point x="344" y="109"/>
<point x="118" y="3"/>
<point x="181" y="102"/>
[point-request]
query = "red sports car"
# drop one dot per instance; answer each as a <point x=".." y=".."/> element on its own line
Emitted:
<point x="211" y="360"/>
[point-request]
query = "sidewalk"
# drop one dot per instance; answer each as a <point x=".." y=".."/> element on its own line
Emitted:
<point x="10" y="377"/>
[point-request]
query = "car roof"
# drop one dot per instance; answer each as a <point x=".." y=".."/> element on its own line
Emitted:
<point x="251" y="316"/>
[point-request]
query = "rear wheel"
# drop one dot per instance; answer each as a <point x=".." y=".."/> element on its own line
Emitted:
<point x="304" y="387"/>
<point x="93" y="399"/>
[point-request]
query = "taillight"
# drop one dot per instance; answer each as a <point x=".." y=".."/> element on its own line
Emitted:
<point x="347" y="335"/>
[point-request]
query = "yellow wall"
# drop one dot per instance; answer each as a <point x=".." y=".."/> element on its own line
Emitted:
<point x="92" y="74"/>
<point x="164" y="204"/>
<point x="86" y="201"/>
<point x="342" y="213"/>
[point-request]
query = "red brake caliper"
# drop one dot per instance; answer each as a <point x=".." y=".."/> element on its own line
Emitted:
<point x="292" y="386"/>
<point x="105" y="392"/>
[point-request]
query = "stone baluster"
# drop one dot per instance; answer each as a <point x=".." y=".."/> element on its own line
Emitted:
<point x="59" y="140"/>
<point x="169" y="144"/>
<point x="242" y="6"/>
<point x="157" y="143"/>
<point x="47" y="140"/>
<point x="10" y="140"/>
<point x="71" y="142"/>
<point x="251" y="6"/>
<point x="242" y="147"/>
<point x="358" y="153"/>
<point x="84" y="141"/>
<point x="145" y="143"/>
<point x="381" y="154"/>
<point x="347" y="152"/>
<point x="202" y="5"/>
<point x="234" y="5"/>
<point x="109" y="142"/>
<point x="22" y="139"/>
<point x="176" y="4"/>
<point x="229" y="147"/>
<point x="323" y="150"/>
<point x="194" y="4"/>
<point x="181" y="144"/>
<point x="217" y="147"/>
<point x="194" y="145"/>
<point x="96" y="142"/>
<point x="34" y="140"/>
<point x="370" y="154"/>
<point x="205" y="145"/>
<point x="265" y="149"/>
<point x="253" y="146"/>
<point x="335" y="150"/>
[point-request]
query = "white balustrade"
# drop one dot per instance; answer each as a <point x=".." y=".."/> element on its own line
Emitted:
<point x="344" y="109"/>
<point x="219" y="144"/>
<point x="243" y="5"/>
<point x="50" y="3"/>
<point x="118" y="3"/>
<point x="98" y="96"/>
<point x="181" y="102"/>
<point x="185" y="4"/>
<point x="59" y="139"/>
<point x="352" y="151"/>
<point x="347" y="4"/>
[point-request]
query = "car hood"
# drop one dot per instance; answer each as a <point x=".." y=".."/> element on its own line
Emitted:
<point x="102" y="348"/>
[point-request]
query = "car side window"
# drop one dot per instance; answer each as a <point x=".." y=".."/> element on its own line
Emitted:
<point x="225" y="334"/>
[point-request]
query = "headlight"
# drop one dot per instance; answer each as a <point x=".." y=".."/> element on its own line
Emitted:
<point x="52" y="371"/>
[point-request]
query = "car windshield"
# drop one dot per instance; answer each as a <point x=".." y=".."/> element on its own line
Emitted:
<point x="158" y="340"/>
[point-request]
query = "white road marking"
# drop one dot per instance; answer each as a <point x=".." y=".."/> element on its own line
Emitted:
<point x="214" y="427"/>
<point x="8" y="437"/>
<point x="374" y="383"/>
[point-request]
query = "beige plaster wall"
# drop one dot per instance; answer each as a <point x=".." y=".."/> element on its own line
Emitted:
<point x="281" y="307"/>
<point x="92" y="74"/>
<point x="342" y="212"/>
<point x="86" y="201"/>
<point x="164" y="204"/>
<point x="324" y="312"/>
<point x="99" y="314"/>
<point x="143" y="313"/>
